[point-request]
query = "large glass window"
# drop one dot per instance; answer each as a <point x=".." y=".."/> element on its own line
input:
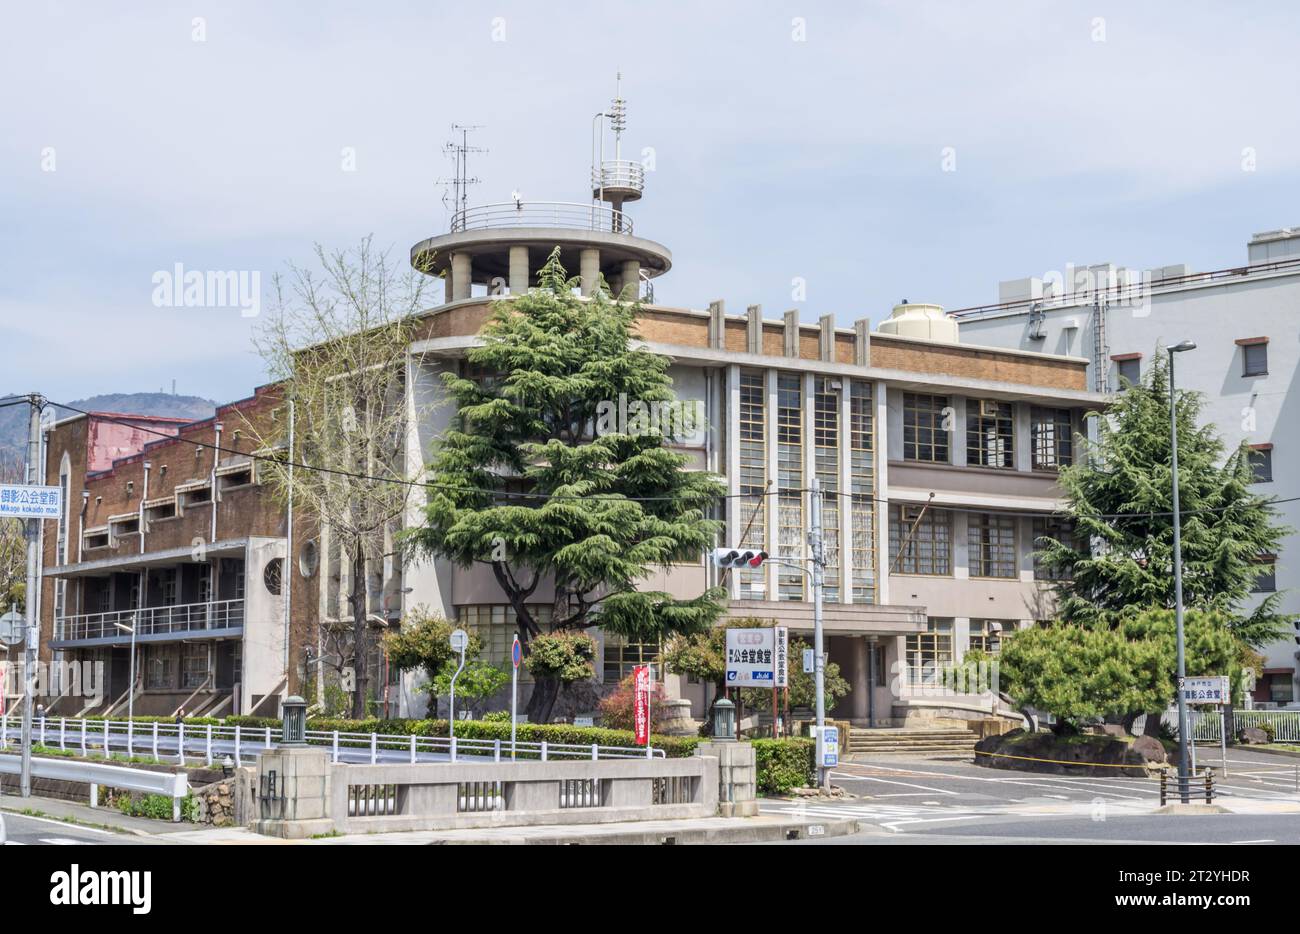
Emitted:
<point x="194" y="664"/>
<point x="622" y="656"/>
<point x="160" y="668"/>
<point x="862" y="477"/>
<point x="1058" y="529"/>
<point x="986" y="635"/>
<point x="752" y="506"/>
<point x="790" y="482"/>
<point x="925" y="428"/>
<point x="495" y="624"/>
<point x="1053" y="437"/>
<point x="990" y="433"/>
<point x="826" y="440"/>
<point x="920" y="540"/>
<point x="991" y="539"/>
<point x="929" y="652"/>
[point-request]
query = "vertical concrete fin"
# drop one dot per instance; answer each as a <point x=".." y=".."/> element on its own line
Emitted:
<point x="717" y="324"/>
<point x="862" y="342"/>
<point x="826" y="338"/>
<point x="792" y="333"/>
<point x="754" y="329"/>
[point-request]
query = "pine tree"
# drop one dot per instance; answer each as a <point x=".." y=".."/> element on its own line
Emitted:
<point x="533" y="480"/>
<point x="1120" y="498"/>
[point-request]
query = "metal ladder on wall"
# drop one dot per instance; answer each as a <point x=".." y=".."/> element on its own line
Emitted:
<point x="1100" y="346"/>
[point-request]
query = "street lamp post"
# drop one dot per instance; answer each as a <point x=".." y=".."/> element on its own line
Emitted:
<point x="1183" y="774"/>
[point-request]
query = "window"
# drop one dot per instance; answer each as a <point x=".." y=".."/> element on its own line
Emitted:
<point x="1128" y="371"/>
<point x="1061" y="530"/>
<point x="789" y="481"/>
<point x="1261" y="462"/>
<point x="272" y="575"/>
<point x="197" y="495"/>
<point x="1254" y="356"/>
<point x="826" y="453"/>
<point x="925" y="428"/>
<point x="194" y="664"/>
<point x="920" y="540"/>
<point x="986" y="635"/>
<point x="862" y="484"/>
<point x="167" y="586"/>
<point x="929" y="651"/>
<point x="992" y="542"/>
<point x="157" y="512"/>
<point x="621" y="657"/>
<point x="1266" y="575"/>
<point x="752" y="513"/>
<point x="1279" y="688"/>
<point x="1052" y="432"/>
<point x="495" y="625"/>
<point x="96" y="538"/>
<point x="160" y="669"/>
<point x="990" y="434"/>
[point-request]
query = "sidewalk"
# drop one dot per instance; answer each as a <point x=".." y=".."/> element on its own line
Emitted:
<point x="112" y="818"/>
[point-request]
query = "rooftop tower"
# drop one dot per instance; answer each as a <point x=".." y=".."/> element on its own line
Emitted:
<point x="501" y="246"/>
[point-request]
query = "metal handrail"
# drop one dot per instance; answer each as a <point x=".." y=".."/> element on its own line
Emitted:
<point x="619" y="173"/>
<point x="212" y="742"/>
<point x="565" y="214"/>
<point x="152" y="620"/>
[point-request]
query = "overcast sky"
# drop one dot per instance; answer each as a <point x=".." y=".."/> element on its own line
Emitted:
<point x="790" y="140"/>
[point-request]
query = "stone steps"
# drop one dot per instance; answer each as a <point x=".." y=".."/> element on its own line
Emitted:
<point x="911" y="740"/>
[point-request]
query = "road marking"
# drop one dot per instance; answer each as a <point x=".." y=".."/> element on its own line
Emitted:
<point x="886" y="781"/>
<point x="60" y="823"/>
<point x="1240" y="842"/>
<point x="63" y="841"/>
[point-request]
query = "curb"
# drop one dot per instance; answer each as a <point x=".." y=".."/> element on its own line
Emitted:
<point x="764" y="833"/>
<point x="77" y="821"/>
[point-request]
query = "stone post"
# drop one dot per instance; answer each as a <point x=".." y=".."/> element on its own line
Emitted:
<point x="737" y="777"/>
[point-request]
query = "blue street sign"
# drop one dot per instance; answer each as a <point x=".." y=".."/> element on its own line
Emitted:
<point x="516" y="653"/>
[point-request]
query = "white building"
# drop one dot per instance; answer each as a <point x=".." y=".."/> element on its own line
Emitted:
<point x="1246" y="324"/>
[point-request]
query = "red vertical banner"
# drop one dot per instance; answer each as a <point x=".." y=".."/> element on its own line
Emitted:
<point x="641" y="708"/>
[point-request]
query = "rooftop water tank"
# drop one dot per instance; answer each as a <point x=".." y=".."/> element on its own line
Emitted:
<point x="927" y="322"/>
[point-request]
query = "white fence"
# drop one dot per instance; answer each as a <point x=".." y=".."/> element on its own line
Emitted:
<point x="174" y="785"/>
<point x="1205" y="724"/>
<point x="214" y="743"/>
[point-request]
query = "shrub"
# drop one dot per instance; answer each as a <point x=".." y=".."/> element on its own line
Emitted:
<point x="158" y="807"/>
<point x="618" y="708"/>
<point x="784" y="764"/>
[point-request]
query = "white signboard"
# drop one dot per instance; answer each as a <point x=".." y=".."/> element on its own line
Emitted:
<point x="782" y="657"/>
<point x="828" y="747"/>
<point x="809" y="662"/>
<point x="751" y="658"/>
<point x="1213" y="690"/>
<point x="19" y="501"/>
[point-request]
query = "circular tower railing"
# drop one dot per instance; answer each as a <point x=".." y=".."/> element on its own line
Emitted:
<point x="541" y="214"/>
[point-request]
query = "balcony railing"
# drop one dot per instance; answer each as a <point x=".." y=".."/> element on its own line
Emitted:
<point x="619" y="174"/>
<point x="184" y="619"/>
<point x="541" y="214"/>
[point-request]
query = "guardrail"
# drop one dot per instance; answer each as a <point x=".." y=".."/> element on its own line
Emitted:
<point x="213" y="743"/>
<point x="174" y="785"/>
<point x="151" y="621"/>
<point x="541" y="214"/>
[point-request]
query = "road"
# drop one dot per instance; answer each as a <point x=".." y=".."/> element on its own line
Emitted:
<point x="916" y="800"/>
<point x="24" y="830"/>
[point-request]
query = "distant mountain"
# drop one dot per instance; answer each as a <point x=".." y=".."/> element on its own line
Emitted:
<point x="13" y="419"/>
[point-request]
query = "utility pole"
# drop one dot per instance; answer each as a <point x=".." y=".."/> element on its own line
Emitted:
<point x="1184" y="740"/>
<point x="35" y="402"/>
<point x="818" y="556"/>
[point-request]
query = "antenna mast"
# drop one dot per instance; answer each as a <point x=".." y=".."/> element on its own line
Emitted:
<point x="459" y="154"/>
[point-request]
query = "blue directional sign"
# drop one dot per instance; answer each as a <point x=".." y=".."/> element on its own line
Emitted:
<point x="20" y="501"/>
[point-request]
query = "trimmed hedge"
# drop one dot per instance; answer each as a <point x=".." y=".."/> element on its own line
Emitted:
<point x="784" y="764"/>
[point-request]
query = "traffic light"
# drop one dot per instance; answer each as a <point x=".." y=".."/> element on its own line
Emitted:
<point x="738" y="558"/>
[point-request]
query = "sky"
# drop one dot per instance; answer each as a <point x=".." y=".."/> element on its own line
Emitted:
<point x="830" y="157"/>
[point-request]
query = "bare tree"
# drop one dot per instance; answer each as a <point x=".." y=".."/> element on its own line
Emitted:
<point x="338" y="339"/>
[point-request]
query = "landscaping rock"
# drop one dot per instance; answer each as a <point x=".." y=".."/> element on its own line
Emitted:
<point x="1252" y="736"/>
<point x="1081" y="754"/>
